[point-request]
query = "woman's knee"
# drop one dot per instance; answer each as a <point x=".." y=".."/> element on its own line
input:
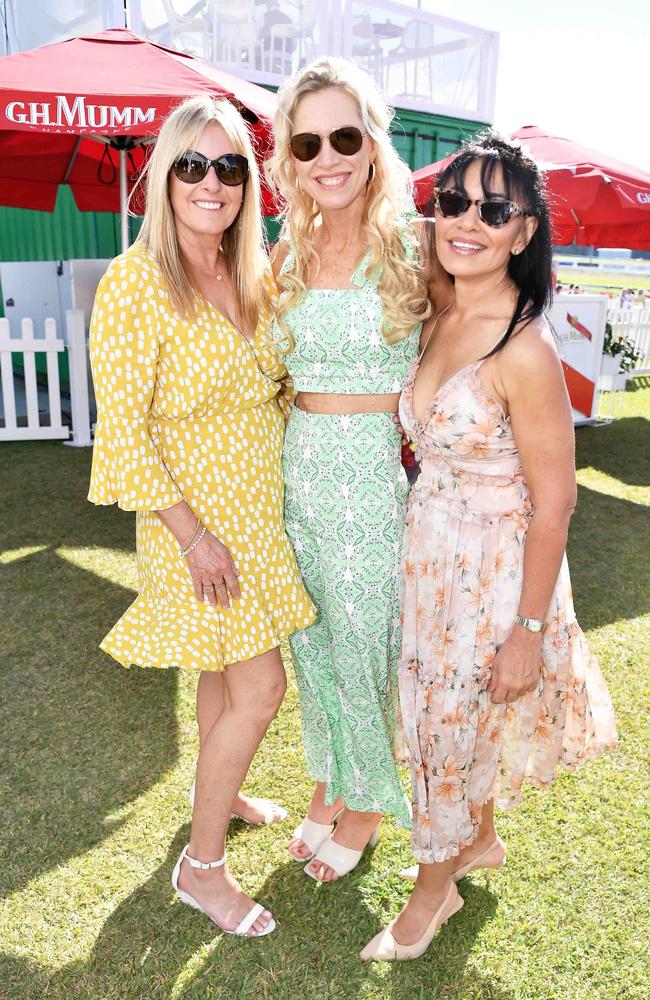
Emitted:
<point x="272" y="696"/>
<point x="263" y="703"/>
<point x="258" y="692"/>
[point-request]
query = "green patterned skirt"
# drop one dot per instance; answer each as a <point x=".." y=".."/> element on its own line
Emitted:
<point x="345" y="504"/>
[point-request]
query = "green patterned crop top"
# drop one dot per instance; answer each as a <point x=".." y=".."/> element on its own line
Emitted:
<point x="340" y="346"/>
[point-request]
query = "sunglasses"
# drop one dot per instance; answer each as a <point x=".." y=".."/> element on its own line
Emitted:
<point x="451" y="205"/>
<point x="191" y="167"/>
<point x="307" y="145"/>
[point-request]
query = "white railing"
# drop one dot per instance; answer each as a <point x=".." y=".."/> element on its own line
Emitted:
<point x="30" y="428"/>
<point x="419" y="59"/>
<point x="422" y="60"/>
<point x="623" y="265"/>
<point x="633" y="323"/>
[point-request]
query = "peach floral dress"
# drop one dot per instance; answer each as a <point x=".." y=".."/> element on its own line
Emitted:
<point x="462" y="577"/>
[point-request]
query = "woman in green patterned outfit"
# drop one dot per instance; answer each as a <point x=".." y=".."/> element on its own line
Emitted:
<point x="353" y="297"/>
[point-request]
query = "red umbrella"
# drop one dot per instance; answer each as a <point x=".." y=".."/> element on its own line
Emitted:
<point x="57" y="101"/>
<point x="595" y="200"/>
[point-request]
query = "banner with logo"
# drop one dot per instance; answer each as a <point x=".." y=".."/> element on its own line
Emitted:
<point x="78" y="114"/>
<point x="579" y="323"/>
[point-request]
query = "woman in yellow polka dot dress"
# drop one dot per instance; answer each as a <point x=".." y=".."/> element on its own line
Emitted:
<point x="190" y="399"/>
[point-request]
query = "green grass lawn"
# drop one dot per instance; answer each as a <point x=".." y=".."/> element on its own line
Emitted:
<point x="97" y="761"/>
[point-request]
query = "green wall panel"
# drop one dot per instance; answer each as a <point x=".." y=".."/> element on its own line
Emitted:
<point x="64" y="234"/>
<point x="422" y="139"/>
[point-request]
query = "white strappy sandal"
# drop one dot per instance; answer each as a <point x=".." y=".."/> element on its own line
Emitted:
<point x="255" y="911"/>
<point x="273" y="813"/>
<point x="340" y="859"/>
<point x="313" y="835"/>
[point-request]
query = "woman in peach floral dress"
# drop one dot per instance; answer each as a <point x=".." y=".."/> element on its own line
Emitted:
<point x="497" y="683"/>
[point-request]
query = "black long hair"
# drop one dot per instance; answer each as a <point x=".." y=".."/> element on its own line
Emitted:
<point x="531" y="270"/>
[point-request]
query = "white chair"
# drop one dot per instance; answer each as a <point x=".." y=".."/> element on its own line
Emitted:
<point x="234" y="33"/>
<point x="189" y="32"/>
<point x="278" y="41"/>
<point x="366" y="48"/>
<point x="416" y="45"/>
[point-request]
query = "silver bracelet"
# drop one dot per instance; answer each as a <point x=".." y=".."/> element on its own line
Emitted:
<point x="195" y="541"/>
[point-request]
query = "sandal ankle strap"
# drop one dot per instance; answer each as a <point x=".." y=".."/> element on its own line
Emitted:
<point x="203" y="865"/>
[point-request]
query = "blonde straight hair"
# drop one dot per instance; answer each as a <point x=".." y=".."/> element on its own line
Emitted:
<point x="388" y="229"/>
<point x="242" y="243"/>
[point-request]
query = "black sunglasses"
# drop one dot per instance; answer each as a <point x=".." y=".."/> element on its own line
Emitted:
<point x="451" y="204"/>
<point x="347" y="141"/>
<point x="192" y="167"/>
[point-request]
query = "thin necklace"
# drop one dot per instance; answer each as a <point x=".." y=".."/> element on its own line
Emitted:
<point x="219" y="277"/>
<point x="435" y="327"/>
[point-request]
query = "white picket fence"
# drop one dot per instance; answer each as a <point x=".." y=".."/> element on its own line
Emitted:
<point x="51" y="345"/>
<point x="635" y="324"/>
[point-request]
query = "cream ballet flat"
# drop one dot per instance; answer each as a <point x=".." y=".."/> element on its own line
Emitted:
<point x="384" y="947"/>
<point x="273" y="813"/>
<point x="313" y="835"/>
<point x="493" y="856"/>
<point x="339" y="858"/>
<point x="255" y="911"/>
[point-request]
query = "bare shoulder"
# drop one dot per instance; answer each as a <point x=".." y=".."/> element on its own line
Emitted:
<point x="531" y="352"/>
<point x="279" y="254"/>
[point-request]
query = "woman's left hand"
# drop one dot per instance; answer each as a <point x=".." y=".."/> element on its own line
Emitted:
<point x="516" y="667"/>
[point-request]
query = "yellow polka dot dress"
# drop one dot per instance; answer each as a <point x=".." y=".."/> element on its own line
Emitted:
<point x="190" y="410"/>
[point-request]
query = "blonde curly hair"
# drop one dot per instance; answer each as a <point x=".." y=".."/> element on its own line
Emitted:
<point x="387" y="227"/>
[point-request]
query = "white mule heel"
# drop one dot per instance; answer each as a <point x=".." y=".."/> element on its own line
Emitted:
<point x="273" y="813"/>
<point x="313" y="835"/>
<point x="255" y="911"/>
<point x="340" y="859"/>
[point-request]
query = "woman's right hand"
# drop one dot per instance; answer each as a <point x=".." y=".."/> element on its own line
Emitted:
<point x="214" y="574"/>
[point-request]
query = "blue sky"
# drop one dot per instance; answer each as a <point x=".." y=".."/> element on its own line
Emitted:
<point x="577" y="68"/>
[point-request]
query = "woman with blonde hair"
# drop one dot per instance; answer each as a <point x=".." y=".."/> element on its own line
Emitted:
<point x="353" y="297"/>
<point x="190" y="397"/>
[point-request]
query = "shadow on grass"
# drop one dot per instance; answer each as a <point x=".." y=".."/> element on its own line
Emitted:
<point x="611" y="579"/>
<point x="83" y="735"/>
<point x="43" y="489"/>
<point x="620" y="450"/>
<point x="152" y="946"/>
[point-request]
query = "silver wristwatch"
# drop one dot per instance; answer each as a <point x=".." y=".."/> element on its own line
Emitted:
<point x="532" y="624"/>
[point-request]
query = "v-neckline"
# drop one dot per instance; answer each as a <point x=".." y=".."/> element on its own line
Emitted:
<point x="249" y="340"/>
<point x="443" y="385"/>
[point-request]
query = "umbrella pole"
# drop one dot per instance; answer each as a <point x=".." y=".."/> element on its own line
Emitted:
<point x="124" y="215"/>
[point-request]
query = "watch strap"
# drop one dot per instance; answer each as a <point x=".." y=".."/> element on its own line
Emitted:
<point x="534" y="625"/>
